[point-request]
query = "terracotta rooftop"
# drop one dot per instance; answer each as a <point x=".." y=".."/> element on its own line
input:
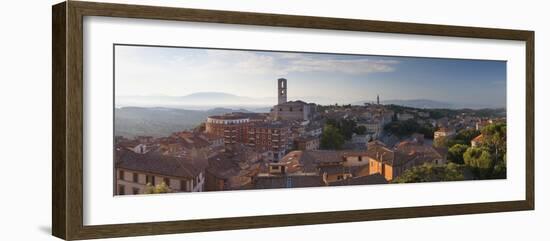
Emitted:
<point x="378" y="151"/>
<point x="410" y="151"/>
<point x="186" y="140"/>
<point x="478" y="138"/>
<point x="230" y="116"/>
<point x="241" y="115"/>
<point x="445" y="129"/>
<point x="239" y="161"/>
<point x="308" y="161"/>
<point x="314" y="157"/>
<point x="154" y="162"/>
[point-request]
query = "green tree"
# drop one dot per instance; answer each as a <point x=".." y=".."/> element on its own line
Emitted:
<point x="499" y="170"/>
<point x="346" y="127"/>
<point x="429" y="172"/>
<point x="456" y="153"/>
<point x="360" y="130"/>
<point x="331" y="139"/>
<point x="480" y="161"/>
<point x="453" y="172"/>
<point x="467" y="135"/>
<point x="463" y="137"/>
<point x="408" y="127"/>
<point x="159" y="188"/>
<point x="495" y="140"/>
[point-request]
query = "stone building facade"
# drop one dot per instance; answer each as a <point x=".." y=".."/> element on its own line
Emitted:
<point x="271" y="138"/>
<point x="290" y="110"/>
<point x="294" y="110"/>
<point x="232" y="127"/>
<point x="134" y="171"/>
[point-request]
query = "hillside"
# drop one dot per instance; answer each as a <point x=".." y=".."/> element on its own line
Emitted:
<point x="157" y="121"/>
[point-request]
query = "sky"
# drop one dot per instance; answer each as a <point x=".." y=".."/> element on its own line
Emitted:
<point x="313" y="77"/>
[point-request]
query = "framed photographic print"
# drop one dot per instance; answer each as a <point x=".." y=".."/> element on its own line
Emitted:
<point x="171" y="120"/>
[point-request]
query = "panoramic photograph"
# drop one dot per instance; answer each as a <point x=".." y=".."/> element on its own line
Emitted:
<point x="202" y="119"/>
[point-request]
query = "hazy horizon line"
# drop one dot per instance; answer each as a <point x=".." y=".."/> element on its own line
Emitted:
<point x="272" y="100"/>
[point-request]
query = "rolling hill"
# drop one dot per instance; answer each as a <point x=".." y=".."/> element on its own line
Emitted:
<point x="160" y="121"/>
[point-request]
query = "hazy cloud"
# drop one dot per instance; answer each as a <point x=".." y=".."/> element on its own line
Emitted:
<point x="146" y="71"/>
<point x="286" y="63"/>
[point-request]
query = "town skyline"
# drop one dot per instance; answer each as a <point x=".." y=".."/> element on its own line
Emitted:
<point x="302" y="144"/>
<point x="187" y="71"/>
<point x="299" y="144"/>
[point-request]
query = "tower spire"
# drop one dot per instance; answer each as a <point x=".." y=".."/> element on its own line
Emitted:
<point x="377" y="99"/>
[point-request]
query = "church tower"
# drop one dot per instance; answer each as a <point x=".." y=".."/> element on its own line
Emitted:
<point x="377" y="99"/>
<point x="281" y="92"/>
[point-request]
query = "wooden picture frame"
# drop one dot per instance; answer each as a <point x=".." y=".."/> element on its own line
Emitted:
<point x="67" y="150"/>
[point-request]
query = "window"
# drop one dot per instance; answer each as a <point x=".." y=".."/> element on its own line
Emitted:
<point x="121" y="175"/>
<point x="121" y="189"/>
<point x="166" y="181"/>
<point x="135" y="177"/>
<point x="150" y="179"/>
<point x="290" y="109"/>
<point x="183" y="185"/>
<point x="135" y="190"/>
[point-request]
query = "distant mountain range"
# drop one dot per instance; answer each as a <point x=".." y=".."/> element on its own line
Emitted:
<point x="210" y="100"/>
<point x="160" y="121"/>
<point x="429" y="104"/>
<point x="200" y="100"/>
<point x="421" y="103"/>
<point x="216" y="98"/>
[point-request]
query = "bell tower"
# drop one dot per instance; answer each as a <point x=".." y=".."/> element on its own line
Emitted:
<point x="281" y="90"/>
